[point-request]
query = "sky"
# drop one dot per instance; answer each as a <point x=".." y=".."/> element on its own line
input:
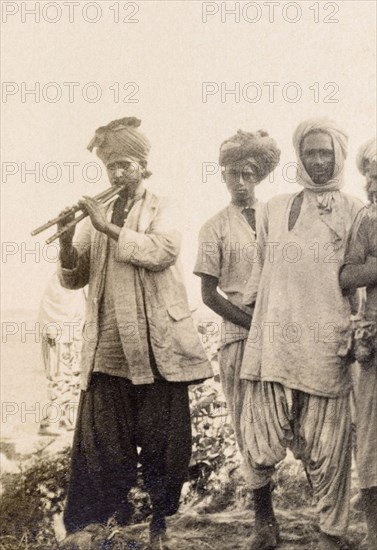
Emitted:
<point x="194" y="73"/>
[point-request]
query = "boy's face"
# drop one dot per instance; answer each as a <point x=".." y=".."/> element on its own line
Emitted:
<point x="241" y="178"/>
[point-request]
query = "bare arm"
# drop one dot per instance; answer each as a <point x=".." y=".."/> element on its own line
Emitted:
<point x="220" y="305"/>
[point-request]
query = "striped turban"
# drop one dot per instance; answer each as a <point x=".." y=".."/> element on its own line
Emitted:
<point x="120" y="139"/>
<point x="339" y="140"/>
<point x="259" y="146"/>
<point x="368" y="151"/>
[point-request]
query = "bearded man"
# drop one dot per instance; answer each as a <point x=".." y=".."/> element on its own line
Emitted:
<point x="360" y="270"/>
<point x="141" y="349"/>
<point x="298" y="388"/>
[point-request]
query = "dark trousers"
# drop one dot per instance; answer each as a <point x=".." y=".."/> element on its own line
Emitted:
<point x="114" y="418"/>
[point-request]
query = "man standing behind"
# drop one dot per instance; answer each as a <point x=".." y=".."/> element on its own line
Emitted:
<point x="227" y="253"/>
<point x="61" y="317"/>
<point x="140" y="348"/>
<point x="360" y="270"/>
<point x="298" y="388"/>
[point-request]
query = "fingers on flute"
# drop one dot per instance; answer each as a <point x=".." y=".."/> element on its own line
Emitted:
<point x="87" y="201"/>
<point x="83" y="204"/>
<point x="66" y="216"/>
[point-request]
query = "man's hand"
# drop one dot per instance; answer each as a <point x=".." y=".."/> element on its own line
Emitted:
<point x="67" y="237"/>
<point x="96" y="212"/>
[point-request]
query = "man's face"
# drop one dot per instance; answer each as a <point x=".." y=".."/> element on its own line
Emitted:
<point x="240" y="178"/>
<point x="317" y="155"/>
<point x="370" y="169"/>
<point x="127" y="172"/>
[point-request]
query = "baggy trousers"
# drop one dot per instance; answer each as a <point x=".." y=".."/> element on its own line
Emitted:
<point x="115" y="418"/>
<point x="366" y="424"/>
<point x="234" y="388"/>
<point x="316" y="429"/>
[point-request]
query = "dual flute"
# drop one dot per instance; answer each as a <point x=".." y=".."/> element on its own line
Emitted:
<point x="102" y="197"/>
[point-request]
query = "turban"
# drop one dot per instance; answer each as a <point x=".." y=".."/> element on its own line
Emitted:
<point x="120" y="138"/>
<point x="339" y="140"/>
<point x="258" y="146"/>
<point x="328" y="197"/>
<point x="368" y="151"/>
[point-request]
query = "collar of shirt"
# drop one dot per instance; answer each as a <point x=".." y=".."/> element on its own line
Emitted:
<point x="242" y="207"/>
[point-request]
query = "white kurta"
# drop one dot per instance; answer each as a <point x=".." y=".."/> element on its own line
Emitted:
<point x="300" y="311"/>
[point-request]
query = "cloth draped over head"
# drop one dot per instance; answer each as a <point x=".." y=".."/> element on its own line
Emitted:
<point x="259" y="146"/>
<point x="328" y="198"/>
<point x="120" y="139"/>
<point x="368" y="151"/>
<point x="339" y="140"/>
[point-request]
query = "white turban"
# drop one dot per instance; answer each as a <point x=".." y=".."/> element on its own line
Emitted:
<point x="328" y="196"/>
<point x="339" y="140"/>
<point x="368" y="151"/>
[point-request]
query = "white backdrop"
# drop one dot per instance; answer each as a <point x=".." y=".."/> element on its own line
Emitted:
<point x="168" y="53"/>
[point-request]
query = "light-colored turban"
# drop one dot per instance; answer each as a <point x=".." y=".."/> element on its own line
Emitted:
<point x="120" y="138"/>
<point x="368" y="151"/>
<point x="328" y="197"/>
<point x="259" y="146"/>
<point x="340" y="142"/>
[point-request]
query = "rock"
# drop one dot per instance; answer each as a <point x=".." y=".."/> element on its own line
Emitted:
<point x="83" y="540"/>
<point x="77" y="541"/>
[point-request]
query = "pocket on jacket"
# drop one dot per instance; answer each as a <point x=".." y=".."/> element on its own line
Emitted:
<point x="185" y="338"/>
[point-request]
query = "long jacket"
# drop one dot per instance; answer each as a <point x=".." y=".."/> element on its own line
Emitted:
<point x="149" y="295"/>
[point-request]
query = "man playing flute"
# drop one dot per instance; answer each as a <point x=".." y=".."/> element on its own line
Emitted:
<point x="141" y="348"/>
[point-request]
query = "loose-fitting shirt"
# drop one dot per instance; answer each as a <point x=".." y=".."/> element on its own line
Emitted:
<point x="109" y="357"/>
<point x="300" y="312"/>
<point x="227" y="251"/>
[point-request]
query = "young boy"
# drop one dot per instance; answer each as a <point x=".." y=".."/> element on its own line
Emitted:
<point x="227" y="253"/>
